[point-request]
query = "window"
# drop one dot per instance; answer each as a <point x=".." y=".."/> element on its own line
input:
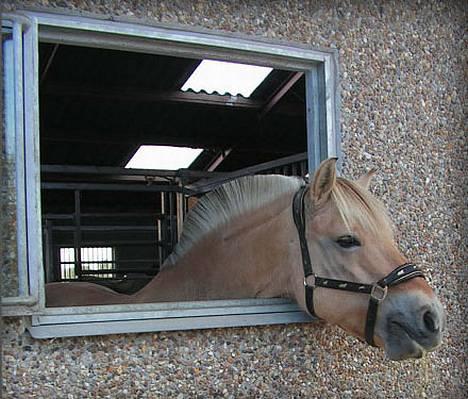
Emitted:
<point x="93" y="262"/>
<point x="44" y="220"/>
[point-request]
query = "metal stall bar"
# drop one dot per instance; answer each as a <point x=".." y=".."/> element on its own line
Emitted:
<point x="206" y="185"/>
<point x="77" y="234"/>
<point x="111" y="187"/>
<point x="172" y="221"/>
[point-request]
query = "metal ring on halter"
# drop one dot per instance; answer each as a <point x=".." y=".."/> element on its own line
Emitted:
<point x="378" y="292"/>
<point x="306" y="281"/>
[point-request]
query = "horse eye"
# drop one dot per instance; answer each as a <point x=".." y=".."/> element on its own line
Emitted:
<point x="348" y="241"/>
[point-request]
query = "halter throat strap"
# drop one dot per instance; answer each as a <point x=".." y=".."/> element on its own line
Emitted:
<point x="377" y="291"/>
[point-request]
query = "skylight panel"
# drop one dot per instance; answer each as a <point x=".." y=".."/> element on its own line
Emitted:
<point x="163" y="157"/>
<point x="226" y="78"/>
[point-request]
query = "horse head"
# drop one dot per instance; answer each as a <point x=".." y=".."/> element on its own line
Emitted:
<point x="350" y="240"/>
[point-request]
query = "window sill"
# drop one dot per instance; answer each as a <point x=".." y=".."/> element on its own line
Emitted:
<point x="68" y="322"/>
<point x="19" y="306"/>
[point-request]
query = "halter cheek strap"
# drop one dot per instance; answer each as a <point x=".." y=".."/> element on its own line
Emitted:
<point x="377" y="291"/>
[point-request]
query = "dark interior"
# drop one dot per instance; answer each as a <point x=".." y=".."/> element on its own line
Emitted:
<point x="98" y="106"/>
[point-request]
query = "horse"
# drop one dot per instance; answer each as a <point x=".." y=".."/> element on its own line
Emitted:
<point x="333" y="252"/>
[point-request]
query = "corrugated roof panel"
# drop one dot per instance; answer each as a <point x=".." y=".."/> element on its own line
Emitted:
<point x="163" y="157"/>
<point x="226" y="78"/>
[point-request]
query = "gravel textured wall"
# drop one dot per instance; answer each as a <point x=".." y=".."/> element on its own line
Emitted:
<point x="402" y="111"/>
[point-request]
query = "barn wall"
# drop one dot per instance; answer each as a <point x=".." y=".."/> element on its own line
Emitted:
<point x="402" y="112"/>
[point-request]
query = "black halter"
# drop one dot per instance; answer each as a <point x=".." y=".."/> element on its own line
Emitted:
<point x="377" y="291"/>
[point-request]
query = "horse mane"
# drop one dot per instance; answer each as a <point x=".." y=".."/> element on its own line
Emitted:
<point x="358" y="206"/>
<point x="229" y="201"/>
<point x="233" y="199"/>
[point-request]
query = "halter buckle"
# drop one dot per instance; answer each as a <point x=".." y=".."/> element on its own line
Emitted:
<point x="310" y="278"/>
<point x="378" y="292"/>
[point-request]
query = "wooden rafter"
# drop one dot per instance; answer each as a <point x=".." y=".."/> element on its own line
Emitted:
<point x="217" y="161"/>
<point x="279" y="94"/>
<point x="145" y="95"/>
<point x="50" y="58"/>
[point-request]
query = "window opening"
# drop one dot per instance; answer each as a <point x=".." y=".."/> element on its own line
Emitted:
<point x="95" y="262"/>
<point x="187" y="144"/>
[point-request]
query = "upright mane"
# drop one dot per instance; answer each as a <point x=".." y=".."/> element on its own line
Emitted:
<point x="233" y="199"/>
<point x="227" y="202"/>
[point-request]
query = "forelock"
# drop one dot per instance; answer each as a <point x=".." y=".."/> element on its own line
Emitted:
<point x="359" y="207"/>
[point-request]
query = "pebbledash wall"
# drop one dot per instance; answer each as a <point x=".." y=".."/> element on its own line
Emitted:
<point x="402" y="93"/>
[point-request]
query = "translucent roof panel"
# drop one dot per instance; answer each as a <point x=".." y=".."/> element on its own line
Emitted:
<point x="226" y="78"/>
<point x="163" y="157"/>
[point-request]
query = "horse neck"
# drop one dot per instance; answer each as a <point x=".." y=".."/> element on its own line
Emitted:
<point x="254" y="256"/>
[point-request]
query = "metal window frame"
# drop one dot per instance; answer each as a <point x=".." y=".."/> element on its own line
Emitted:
<point x="322" y="102"/>
<point x="24" y="111"/>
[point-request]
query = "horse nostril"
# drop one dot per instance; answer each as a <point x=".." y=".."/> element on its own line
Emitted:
<point x="430" y="322"/>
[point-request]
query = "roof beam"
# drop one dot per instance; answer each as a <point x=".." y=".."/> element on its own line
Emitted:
<point x="136" y="137"/>
<point x="187" y="72"/>
<point x="279" y="94"/>
<point x="50" y="58"/>
<point x="217" y="161"/>
<point x="144" y="95"/>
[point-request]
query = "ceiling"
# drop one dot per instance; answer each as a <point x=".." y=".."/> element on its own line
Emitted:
<point x="98" y="106"/>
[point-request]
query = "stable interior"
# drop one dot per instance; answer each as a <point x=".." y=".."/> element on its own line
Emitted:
<point x="115" y="226"/>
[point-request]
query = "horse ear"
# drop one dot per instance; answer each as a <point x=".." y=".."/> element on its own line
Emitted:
<point x="324" y="179"/>
<point x="364" y="180"/>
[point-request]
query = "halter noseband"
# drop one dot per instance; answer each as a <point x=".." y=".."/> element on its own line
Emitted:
<point x="377" y="291"/>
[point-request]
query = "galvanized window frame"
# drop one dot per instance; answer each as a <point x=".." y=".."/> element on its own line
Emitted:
<point x="322" y="102"/>
<point x="21" y="111"/>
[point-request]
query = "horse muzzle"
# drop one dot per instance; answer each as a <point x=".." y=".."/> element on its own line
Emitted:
<point x="410" y="325"/>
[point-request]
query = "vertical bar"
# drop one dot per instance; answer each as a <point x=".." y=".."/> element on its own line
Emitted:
<point x="114" y="264"/>
<point x="85" y="258"/>
<point x="162" y="223"/>
<point x="159" y="238"/>
<point x="9" y="96"/>
<point x="333" y="106"/>
<point x="172" y="224"/>
<point x="186" y="199"/>
<point x="180" y="213"/>
<point x="66" y="268"/>
<point x="105" y="259"/>
<point x="100" y="253"/>
<point x="77" y="234"/>
<point x="323" y="133"/>
<point x="105" y="264"/>
<point x="32" y="163"/>
<point x="70" y="268"/>
<point x="56" y="263"/>
<point x="60" y="263"/>
<point x="48" y="253"/>
<point x="313" y="118"/>
<point x="63" y="266"/>
<point x="62" y="259"/>
<point x="95" y="256"/>
<point x="18" y="93"/>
